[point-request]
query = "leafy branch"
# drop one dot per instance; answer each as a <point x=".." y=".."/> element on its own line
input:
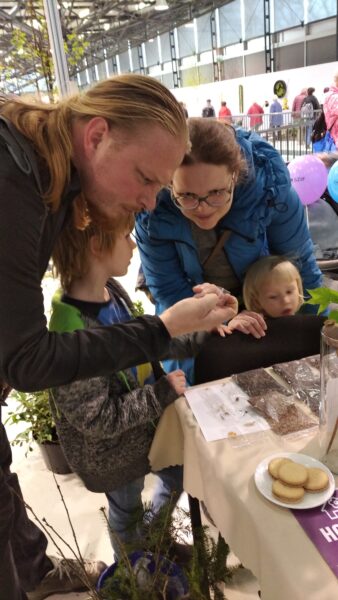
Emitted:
<point x="137" y="309"/>
<point x="34" y="410"/>
<point x="324" y="297"/>
<point x="34" y="48"/>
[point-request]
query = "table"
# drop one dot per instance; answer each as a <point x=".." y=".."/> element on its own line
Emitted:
<point x="266" y="538"/>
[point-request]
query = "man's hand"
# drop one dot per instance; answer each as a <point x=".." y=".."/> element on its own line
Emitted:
<point x="248" y="322"/>
<point x="199" y="313"/>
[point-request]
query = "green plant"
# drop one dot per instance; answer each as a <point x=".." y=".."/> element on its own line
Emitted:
<point x="208" y="556"/>
<point x="324" y="297"/>
<point x="34" y="47"/>
<point x="137" y="310"/>
<point x="204" y="571"/>
<point x="34" y="410"/>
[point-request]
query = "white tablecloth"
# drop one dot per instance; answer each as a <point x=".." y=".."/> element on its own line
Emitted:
<point x="267" y="538"/>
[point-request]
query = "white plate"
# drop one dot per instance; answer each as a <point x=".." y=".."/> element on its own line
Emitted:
<point x="263" y="481"/>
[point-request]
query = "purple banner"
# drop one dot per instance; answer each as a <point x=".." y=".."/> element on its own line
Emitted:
<point x="321" y="525"/>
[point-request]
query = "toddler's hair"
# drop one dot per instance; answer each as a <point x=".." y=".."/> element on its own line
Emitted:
<point x="272" y="268"/>
<point x="70" y="253"/>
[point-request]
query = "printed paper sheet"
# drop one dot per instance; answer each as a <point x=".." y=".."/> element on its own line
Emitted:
<point x="222" y="411"/>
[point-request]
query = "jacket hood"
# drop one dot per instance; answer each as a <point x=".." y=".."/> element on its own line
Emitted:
<point x="65" y="317"/>
<point x="267" y="183"/>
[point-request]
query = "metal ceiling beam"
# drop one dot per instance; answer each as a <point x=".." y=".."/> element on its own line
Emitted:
<point x="14" y="21"/>
<point x="128" y="24"/>
<point x="58" y="51"/>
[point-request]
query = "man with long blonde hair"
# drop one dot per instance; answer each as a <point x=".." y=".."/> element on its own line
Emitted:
<point x="115" y="146"/>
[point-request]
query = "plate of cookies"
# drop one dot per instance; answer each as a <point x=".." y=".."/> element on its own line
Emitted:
<point x="294" y="480"/>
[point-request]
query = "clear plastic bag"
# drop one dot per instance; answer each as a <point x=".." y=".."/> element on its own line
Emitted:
<point x="303" y="377"/>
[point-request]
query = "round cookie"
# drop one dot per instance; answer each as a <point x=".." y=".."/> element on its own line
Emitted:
<point x="287" y="493"/>
<point x="293" y="474"/>
<point x="317" y="480"/>
<point x="275" y="463"/>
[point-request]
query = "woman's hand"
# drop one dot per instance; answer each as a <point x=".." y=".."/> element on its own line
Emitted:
<point x="248" y="322"/>
<point x="202" y="289"/>
<point x="178" y="381"/>
<point x="199" y="313"/>
<point x="224" y="296"/>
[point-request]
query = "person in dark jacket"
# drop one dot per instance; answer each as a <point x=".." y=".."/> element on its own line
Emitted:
<point x="230" y="203"/>
<point x="309" y="112"/>
<point x="208" y="110"/>
<point x="310" y="98"/>
<point x="98" y="145"/>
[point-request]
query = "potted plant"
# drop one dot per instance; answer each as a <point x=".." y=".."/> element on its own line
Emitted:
<point x="156" y="572"/>
<point x="32" y="409"/>
<point x="143" y="575"/>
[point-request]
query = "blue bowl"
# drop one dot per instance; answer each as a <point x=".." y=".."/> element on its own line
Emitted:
<point x="177" y="582"/>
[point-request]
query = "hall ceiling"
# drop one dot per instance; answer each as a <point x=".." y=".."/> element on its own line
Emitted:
<point x="105" y="24"/>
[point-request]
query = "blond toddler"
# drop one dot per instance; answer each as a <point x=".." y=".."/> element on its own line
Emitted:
<point x="272" y="288"/>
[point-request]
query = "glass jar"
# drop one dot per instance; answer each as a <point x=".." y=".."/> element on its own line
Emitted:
<point x="329" y="395"/>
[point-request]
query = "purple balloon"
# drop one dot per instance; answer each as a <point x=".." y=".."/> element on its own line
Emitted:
<point x="308" y="177"/>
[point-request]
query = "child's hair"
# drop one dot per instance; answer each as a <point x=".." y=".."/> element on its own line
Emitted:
<point x="70" y="253"/>
<point x="276" y="268"/>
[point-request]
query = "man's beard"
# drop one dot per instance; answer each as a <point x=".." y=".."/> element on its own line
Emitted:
<point x="106" y="221"/>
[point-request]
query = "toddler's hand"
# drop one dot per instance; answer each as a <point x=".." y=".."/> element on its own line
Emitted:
<point x="178" y="381"/>
<point x="222" y="330"/>
<point x="248" y="322"/>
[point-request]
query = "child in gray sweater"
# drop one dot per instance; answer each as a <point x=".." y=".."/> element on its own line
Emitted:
<point x="106" y="424"/>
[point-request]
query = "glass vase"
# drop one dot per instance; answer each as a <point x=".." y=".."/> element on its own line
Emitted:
<point x="329" y="395"/>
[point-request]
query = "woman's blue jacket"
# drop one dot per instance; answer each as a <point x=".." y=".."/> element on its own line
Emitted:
<point x="266" y="217"/>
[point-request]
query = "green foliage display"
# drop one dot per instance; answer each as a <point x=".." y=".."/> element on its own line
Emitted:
<point x="324" y="297"/>
<point x="75" y="48"/>
<point x="35" y="47"/>
<point x="32" y="409"/>
<point x="206" y="568"/>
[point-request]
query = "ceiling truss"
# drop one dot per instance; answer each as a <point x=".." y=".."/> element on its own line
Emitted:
<point x="109" y="26"/>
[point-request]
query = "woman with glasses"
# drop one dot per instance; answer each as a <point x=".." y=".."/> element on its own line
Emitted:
<point x="229" y="203"/>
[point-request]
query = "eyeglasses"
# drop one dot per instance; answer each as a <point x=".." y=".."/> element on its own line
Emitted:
<point x="190" y="201"/>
